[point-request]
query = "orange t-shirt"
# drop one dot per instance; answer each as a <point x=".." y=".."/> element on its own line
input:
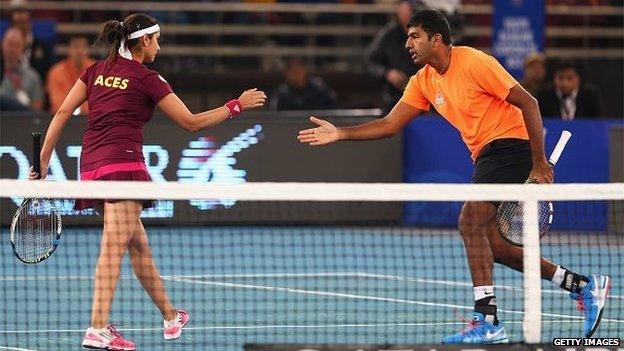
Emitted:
<point x="471" y="96"/>
<point x="61" y="78"/>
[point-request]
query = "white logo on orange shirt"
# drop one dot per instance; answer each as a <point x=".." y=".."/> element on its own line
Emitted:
<point x="439" y="100"/>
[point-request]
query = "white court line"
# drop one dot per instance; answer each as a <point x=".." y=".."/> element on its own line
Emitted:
<point x="292" y="275"/>
<point x="14" y="348"/>
<point x="366" y="297"/>
<point x="273" y="275"/>
<point x="247" y="327"/>
<point x="316" y="292"/>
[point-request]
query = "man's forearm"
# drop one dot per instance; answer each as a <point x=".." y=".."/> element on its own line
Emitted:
<point x="377" y="129"/>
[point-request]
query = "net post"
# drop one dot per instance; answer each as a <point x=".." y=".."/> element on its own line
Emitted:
<point x="532" y="323"/>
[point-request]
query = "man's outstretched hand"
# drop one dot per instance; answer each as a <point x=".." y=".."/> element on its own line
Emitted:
<point x="325" y="133"/>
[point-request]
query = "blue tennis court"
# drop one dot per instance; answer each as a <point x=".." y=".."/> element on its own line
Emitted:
<point x="367" y="285"/>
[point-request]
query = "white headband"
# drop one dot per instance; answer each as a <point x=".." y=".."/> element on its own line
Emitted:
<point x="124" y="52"/>
<point x="141" y="32"/>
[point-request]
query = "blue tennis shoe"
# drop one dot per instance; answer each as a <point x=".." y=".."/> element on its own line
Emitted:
<point x="591" y="300"/>
<point x="479" y="331"/>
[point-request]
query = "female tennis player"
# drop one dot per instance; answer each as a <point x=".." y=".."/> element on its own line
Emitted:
<point x="122" y="93"/>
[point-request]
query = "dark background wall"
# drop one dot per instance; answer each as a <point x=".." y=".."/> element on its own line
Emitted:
<point x="255" y="147"/>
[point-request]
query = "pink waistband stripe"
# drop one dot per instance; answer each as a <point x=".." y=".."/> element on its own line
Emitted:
<point x="115" y="167"/>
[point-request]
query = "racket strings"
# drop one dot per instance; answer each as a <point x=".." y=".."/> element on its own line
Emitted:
<point x="36" y="231"/>
<point x="511" y="220"/>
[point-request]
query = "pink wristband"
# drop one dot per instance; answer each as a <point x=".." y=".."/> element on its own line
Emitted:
<point x="234" y="107"/>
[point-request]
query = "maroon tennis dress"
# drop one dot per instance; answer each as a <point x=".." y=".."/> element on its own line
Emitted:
<point x="122" y="95"/>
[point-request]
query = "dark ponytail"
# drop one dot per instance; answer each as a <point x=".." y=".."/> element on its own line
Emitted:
<point x="111" y="36"/>
<point x="115" y="31"/>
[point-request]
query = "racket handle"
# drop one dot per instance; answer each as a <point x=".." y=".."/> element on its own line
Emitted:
<point x="36" y="136"/>
<point x="561" y="144"/>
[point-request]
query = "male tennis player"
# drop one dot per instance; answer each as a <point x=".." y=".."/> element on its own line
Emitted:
<point x="122" y="94"/>
<point x="501" y="125"/>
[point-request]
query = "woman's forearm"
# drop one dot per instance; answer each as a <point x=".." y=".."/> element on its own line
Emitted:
<point x="208" y="118"/>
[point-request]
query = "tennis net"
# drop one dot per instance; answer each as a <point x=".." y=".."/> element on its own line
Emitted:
<point x="308" y="263"/>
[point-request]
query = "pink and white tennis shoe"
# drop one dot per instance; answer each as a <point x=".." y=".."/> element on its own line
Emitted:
<point x="173" y="328"/>
<point x="106" y="339"/>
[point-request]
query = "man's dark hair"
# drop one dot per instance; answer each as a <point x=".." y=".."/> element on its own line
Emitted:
<point x="432" y="22"/>
<point x="564" y="65"/>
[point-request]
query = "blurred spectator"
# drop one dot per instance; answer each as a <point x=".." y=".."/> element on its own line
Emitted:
<point x="388" y="60"/>
<point x="36" y="52"/>
<point x="568" y="98"/>
<point x="21" y="86"/>
<point x="447" y="6"/>
<point x="534" y="79"/>
<point x="63" y="75"/>
<point x="301" y="91"/>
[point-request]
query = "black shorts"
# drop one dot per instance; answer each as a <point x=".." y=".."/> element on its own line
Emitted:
<point x="503" y="161"/>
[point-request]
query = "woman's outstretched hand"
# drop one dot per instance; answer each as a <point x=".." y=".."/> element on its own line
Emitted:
<point x="252" y="98"/>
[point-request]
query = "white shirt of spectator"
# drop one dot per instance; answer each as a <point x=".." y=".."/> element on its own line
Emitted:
<point x="22" y="97"/>
<point x="567" y="105"/>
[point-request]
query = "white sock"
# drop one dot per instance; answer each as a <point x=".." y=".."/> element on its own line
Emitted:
<point x="557" y="278"/>
<point x="483" y="291"/>
<point x="174" y="318"/>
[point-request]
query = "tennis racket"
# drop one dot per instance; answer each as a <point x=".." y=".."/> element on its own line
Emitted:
<point x="36" y="225"/>
<point x="510" y="216"/>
